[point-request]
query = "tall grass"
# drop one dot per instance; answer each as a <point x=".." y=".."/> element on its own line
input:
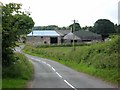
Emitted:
<point x="1" y="83"/>
<point x="100" y="59"/>
<point x="0" y="75"/>
<point x="18" y="74"/>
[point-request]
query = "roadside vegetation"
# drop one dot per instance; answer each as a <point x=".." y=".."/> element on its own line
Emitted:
<point x="17" y="74"/>
<point x="99" y="59"/>
<point x="16" y="69"/>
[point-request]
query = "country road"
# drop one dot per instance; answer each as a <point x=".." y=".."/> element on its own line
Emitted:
<point x="51" y="74"/>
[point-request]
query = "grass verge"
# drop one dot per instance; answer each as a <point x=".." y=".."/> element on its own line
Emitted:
<point x="1" y="83"/>
<point x="18" y="74"/>
<point x="14" y="83"/>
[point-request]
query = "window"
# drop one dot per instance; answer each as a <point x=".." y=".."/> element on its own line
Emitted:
<point x="53" y="40"/>
<point x="74" y="41"/>
<point x="45" y="42"/>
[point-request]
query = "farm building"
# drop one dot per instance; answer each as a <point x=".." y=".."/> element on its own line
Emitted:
<point x="79" y="36"/>
<point x="69" y="38"/>
<point x="62" y="33"/>
<point x="43" y="37"/>
<point x="87" y="36"/>
<point x="61" y="36"/>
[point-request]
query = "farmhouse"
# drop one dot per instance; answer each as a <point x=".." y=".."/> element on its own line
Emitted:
<point x="61" y="36"/>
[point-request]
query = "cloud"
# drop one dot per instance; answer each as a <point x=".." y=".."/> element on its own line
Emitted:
<point x="62" y="12"/>
<point x="119" y="12"/>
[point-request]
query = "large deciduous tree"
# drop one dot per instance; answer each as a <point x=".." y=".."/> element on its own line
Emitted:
<point x="14" y="24"/>
<point x="77" y="26"/>
<point x="104" y="27"/>
<point x="117" y="28"/>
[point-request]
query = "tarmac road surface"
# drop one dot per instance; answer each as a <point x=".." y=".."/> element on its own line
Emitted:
<point x="51" y="74"/>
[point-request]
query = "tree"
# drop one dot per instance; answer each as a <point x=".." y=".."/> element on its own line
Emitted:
<point x="62" y="28"/>
<point x="84" y="28"/>
<point x="77" y="26"/>
<point x="90" y="28"/>
<point x="117" y="28"/>
<point x="104" y="27"/>
<point x="24" y="23"/>
<point x="14" y="24"/>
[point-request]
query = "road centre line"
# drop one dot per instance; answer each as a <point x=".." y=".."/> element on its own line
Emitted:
<point x="32" y="58"/>
<point x="70" y="84"/>
<point x="43" y="62"/>
<point x="35" y="59"/>
<point x="49" y="65"/>
<point x="58" y="74"/>
<point x="53" y="69"/>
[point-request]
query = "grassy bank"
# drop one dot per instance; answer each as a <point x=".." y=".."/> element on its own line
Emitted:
<point x="100" y="59"/>
<point x="18" y="74"/>
<point x="1" y="83"/>
<point x="0" y="75"/>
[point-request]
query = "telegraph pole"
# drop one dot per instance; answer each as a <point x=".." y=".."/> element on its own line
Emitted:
<point x="32" y="37"/>
<point x="73" y="35"/>
<point x="74" y="21"/>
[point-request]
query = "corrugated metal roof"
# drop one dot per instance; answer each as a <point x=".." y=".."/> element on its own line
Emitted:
<point x="43" y="33"/>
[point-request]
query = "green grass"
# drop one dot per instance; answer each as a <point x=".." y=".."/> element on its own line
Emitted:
<point x="100" y="59"/>
<point x="14" y="83"/>
<point x="0" y="76"/>
<point x="18" y="74"/>
<point x="1" y="83"/>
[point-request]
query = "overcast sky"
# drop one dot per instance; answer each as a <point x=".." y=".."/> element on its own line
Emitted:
<point x="63" y="12"/>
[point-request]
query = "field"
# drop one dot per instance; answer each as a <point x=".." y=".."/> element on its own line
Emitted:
<point x="99" y="59"/>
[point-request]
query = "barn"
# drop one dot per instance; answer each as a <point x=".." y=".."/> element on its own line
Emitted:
<point x="79" y="36"/>
<point x="87" y="36"/>
<point x="61" y="36"/>
<point x="43" y="37"/>
<point x="69" y="38"/>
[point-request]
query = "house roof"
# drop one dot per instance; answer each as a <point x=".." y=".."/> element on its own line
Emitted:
<point x="86" y="34"/>
<point x="43" y="33"/>
<point x="70" y="36"/>
<point x="63" y="32"/>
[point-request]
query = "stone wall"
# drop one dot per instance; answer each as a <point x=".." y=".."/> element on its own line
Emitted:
<point x="40" y="40"/>
<point x="59" y="40"/>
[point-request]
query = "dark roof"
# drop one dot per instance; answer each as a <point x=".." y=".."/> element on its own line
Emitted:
<point x="87" y="34"/>
<point x="62" y="32"/>
<point x="70" y="35"/>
